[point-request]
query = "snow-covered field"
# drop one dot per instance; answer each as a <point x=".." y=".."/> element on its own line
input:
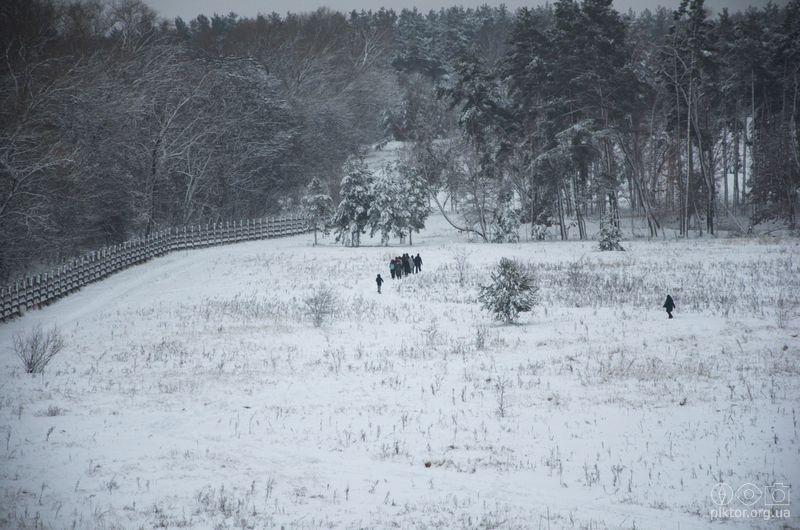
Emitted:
<point x="194" y="391"/>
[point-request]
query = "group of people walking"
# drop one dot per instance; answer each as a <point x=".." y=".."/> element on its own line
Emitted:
<point x="400" y="266"/>
<point x="403" y="265"/>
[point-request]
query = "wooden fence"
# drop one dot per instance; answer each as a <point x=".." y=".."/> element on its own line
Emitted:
<point x="42" y="289"/>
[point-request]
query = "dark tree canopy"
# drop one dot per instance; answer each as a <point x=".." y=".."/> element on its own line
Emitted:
<point x="114" y="122"/>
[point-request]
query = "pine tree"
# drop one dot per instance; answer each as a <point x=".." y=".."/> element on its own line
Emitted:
<point x="386" y="213"/>
<point x="567" y="69"/>
<point x="610" y="234"/>
<point x="485" y="118"/>
<point x="352" y="215"/>
<point x="317" y="207"/>
<point x="774" y="92"/>
<point x="416" y="50"/>
<point x="513" y="291"/>
<point x="399" y="203"/>
<point x="505" y="223"/>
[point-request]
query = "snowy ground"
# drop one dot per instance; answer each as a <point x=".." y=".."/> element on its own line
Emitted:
<point x="195" y="392"/>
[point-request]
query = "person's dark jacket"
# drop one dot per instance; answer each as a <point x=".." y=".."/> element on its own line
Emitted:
<point x="669" y="305"/>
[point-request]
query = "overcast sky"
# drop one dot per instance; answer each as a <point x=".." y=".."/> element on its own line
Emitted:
<point x="189" y="9"/>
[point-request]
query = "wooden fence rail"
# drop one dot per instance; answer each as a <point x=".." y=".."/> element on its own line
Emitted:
<point x="41" y="289"/>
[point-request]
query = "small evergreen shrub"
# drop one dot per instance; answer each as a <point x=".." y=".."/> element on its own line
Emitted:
<point x="610" y="234"/>
<point x="513" y="290"/>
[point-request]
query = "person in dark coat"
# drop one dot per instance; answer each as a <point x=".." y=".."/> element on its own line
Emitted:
<point x="406" y="264"/>
<point x="379" y="281"/>
<point x="398" y="267"/>
<point x="417" y="263"/>
<point x="669" y="305"/>
<point x="391" y="267"/>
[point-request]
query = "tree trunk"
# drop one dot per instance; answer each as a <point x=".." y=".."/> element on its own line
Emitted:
<point x="637" y="187"/>
<point x="744" y="166"/>
<point x="705" y="159"/>
<point x="725" y="167"/>
<point x="578" y="206"/>
<point x="712" y="193"/>
<point x="689" y="168"/>
<point x="560" y="209"/>
<point x="736" y="161"/>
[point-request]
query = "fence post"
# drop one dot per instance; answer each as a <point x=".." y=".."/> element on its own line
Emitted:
<point x="5" y="303"/>
<point x="43" y="289"/>
<point x="37" y="282"/>
<point x="16" y="300"/>
<point x="28" y="284"/>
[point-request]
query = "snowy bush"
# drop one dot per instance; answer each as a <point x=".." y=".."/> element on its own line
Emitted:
<point x="505" y="225"/>
<point x="610" y="234"/>
<point x="578" y="279"/>
<point x="538" y="232"/>
<point x="462" y="265"/>
<point x="513" y="291"/>
<point x="38" y="348"/>
<point x="320" y="305"/>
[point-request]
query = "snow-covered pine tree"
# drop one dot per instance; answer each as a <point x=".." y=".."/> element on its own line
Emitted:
<point x="475" y="90"/>
<point x="505" y="223"/>
<point x="513" y="291"/>
<point x="317" y="207"/>
<point x="352" y="214"/>
<point x="386" y="213"/>
<point x="416" y="50"/>
<point x="610" y="234"/>
<point x="416" y="202"/>
<point x="399" y="204"/>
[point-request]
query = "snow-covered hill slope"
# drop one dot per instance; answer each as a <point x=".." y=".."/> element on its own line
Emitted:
<point x="194" y="391"/>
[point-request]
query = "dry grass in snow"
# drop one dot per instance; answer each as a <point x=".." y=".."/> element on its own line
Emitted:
<point x="195" y="391"/>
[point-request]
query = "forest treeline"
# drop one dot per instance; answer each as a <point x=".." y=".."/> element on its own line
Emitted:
<point x="115" y="122"/>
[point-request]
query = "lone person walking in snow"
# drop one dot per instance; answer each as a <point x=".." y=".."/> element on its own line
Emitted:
<point x="669" y="305"/>
<point x="379" y="281"/>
